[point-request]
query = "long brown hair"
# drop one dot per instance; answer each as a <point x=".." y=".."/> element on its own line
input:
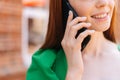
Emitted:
<point x="56" y="29"/>
<point x="110" y="34"/>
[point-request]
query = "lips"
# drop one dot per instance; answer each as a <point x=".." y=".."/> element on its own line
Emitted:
<point x="100" y="15"/>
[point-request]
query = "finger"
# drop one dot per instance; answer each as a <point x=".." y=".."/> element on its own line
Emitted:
<point x="74" y="29"/>
<point x="77" y="20"/>
<point x="83" y="35"/>
<point x="70" y="17"/>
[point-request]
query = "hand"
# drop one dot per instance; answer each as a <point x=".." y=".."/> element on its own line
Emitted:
<point x="72" y="45"/>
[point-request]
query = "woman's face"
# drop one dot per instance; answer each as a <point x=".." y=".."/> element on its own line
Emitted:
<point x="98" y="12"/>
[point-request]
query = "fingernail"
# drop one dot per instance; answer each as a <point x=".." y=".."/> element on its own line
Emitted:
<point x="92" y="31"/>
<point x="70" y="12"/>
<point x="84" y="17"/>
<point x="89" y="24"/>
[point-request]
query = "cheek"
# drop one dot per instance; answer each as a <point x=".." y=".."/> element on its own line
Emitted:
<point x="112" y="4"/>
<point x="100" y="27"/>
<point x="83" y="10"/>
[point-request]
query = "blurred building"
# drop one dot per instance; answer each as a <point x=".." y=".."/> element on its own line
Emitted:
<point x="34" y="26"/>
<point x="11" y="64"/>
<point x="22" y="30"/>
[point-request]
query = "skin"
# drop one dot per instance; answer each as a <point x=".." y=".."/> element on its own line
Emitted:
<point x="100" y="58"/>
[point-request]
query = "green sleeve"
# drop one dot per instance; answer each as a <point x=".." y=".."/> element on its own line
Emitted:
<point x="41" y="66"/>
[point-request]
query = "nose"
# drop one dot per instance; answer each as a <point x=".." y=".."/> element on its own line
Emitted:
<point x="101" y="3"/>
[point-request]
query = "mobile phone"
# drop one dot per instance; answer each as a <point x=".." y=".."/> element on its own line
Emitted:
<point x="66" y="8"/>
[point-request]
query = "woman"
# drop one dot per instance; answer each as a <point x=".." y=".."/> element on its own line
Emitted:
<point x="61" y="57"/>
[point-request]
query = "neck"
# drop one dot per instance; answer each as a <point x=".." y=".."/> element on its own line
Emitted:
<point x="95" y="43"/>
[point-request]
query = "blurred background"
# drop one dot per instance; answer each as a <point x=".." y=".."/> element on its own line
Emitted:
<point x="23" y="25"/>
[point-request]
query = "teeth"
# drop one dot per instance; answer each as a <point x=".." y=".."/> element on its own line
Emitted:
<point x="100" y="16"/>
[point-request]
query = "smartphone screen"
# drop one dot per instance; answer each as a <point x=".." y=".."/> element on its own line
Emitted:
<point x="66" y="8"/>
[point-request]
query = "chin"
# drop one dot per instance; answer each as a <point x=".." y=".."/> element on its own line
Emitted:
<point x="100" y="23"/>
<point x="100" y="27"/>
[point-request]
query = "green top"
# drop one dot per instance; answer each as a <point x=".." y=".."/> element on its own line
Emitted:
<point x="48" y="65"/>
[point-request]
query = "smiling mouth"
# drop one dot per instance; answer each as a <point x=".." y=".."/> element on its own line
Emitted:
<point x="100" y="16"/>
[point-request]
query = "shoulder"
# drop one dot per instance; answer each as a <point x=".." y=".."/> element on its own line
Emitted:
<point x="44" y="57"/>
<point x="41" y="66"/>
<point x="112" y="47"/>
